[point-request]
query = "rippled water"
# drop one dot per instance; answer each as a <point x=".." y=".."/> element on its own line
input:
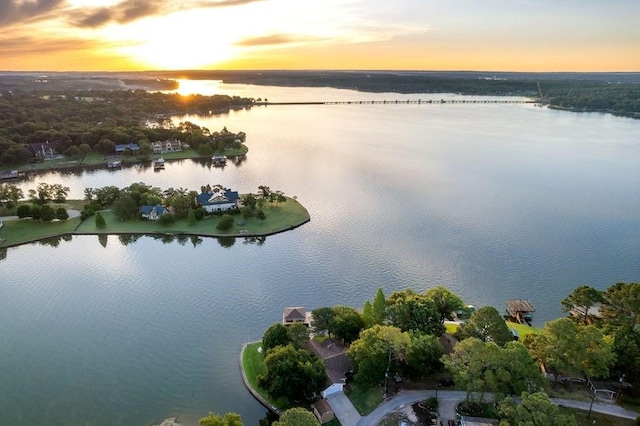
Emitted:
<point x="492" y="201"/>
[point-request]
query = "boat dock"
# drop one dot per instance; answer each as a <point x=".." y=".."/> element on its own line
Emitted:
<point x="520" y="310"/>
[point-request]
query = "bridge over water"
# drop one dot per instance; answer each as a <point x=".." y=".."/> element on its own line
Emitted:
<point x="407" y="101"/>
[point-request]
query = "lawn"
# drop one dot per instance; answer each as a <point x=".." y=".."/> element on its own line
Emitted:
<point x="280" y="218"/>
<point x="365" y="399"/>
<point x="583" y="418"/>
<point x="253" y="366"/>
<point x="26" y="230"/>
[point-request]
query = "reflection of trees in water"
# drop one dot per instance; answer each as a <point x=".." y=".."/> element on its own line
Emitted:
<point x="55" y="241"/>
<point x="165" y="238"/>
<point x="103" y="238"/>
<point x="226" y="242"/>
<point x="255" y="240"/>
<point x="3" y="253"/>
<point x="195" y="240"/>
<point x="126" y="239"/>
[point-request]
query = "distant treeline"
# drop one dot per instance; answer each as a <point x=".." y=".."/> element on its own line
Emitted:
<point x="99" y="119"/>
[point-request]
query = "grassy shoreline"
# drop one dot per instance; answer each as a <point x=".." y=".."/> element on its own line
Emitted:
<point x="280" y="218"/>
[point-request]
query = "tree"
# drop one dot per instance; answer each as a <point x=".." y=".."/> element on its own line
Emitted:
<point x="292" y="373"/>
<point x="622" y="304"/>
<point x="487" y="325"/>
<point x="346" y="323"/>
<point x="367" y="314"/>
<point x="566" y="347"/>
<point x="24" y="210"/>
<point x="9" y="195"/>
<point x="47" y="214"/>
<point x="484" y="366"/>
<point x="534" y="409"/>
<point x="59" y="193"/>
<point x="229" y="419"/>
<point x="100" y="222"/>
<point x="276" y="335"/>
<point x="297" y="417"/>
<point x="145" y="150"/>
<point x="582" y="299"/>
<point x="61" y="214"/>
<point x="375" y="350"/>
<point x="445" y="301"/>
<point x="125" y="208"/>
<point x="411" y="311"/>
<point x="42" y="194"/>
<point x="191" y="217"/>
<point x="298" y="334"/>
<point x="226" y="222"/>
<point x="424" y="353"/>
<point x="321" y="319"/>
<point x="379" y="307"/>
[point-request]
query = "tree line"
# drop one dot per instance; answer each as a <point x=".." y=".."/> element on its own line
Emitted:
<point x="79" y="122"/>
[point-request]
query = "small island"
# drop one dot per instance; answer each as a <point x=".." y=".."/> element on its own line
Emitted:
<point x="140" y="209"/>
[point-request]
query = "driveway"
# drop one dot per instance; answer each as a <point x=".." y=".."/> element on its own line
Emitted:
<point x="344" y="409"/>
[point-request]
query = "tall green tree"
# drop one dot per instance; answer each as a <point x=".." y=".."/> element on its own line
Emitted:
<point x="292" y="373"/>
<point x="367" y="314"/>
<point x="9" y="195"/>
<point x="297" y="417"/>
<point x="533" y="409"/>
<point x="100" y="222"/>
<point x="581" y="300"/>
<point x="424" y="354"/>
<point x="346" y="323"/>
<point x="229" y="419"/>
<point x="621" y="305"/>
<point x="565" y="347"/>
<point x="487" y="325"/>
<point x="298" y="334"/>
<point x="411" y="311"/>
<point x="125" y="208"/>
<point x="379" y="308"/>
<point x="446" y="302"/>
<point x="276" y="335"/>
<point x="377" y="351"/>
<point x="321" y="319"/>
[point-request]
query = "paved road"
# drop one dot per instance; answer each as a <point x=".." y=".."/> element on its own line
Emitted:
<point x="447" y="402"/>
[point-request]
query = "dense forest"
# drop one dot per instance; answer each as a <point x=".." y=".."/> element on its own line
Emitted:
<point x="98" y="120"/>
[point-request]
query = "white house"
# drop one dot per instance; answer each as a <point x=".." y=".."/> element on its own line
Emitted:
<point x="153" y="212"/>
<point x="219" y="199"/>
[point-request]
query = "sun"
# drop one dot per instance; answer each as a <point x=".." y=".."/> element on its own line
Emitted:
<point x="184" y="40"/>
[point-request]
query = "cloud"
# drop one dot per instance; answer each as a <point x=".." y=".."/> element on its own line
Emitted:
<point x="16" y="11"/>
<point x="277" y="39"/>
<point x="132" y="10"/>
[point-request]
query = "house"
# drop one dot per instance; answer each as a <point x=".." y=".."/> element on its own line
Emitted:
<point x="153" y="212"/>
<point x="121" y="148"/>
<point x="323" y="411"/>
<point x="45" y="150"/>
<point x="218" y="199"/>
<point x="175" y="145"/>
<point x="336" y="363"/>
<point x="296" y="315"/>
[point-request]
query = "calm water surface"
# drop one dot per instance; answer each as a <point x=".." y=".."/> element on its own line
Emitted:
<point x="492" y="201"/>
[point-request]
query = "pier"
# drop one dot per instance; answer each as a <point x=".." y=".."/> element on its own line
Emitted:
<point x="406" y="102"/>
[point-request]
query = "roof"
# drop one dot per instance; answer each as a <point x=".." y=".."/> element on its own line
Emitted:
<point x="322" y="407"/>
<point x="122" y="147"/>
<point x="334" y="356"/>
<point x="218" y="195"/>
<point x="519" y="305"/>
<point x="148" y="209"/>
<point x="294" y="314"/>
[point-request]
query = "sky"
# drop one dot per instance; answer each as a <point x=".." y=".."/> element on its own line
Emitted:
<point x="487" y="35"/>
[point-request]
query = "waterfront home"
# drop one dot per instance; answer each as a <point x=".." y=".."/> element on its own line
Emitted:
<point x="323" y="411"/>
<point x="153" y="212"/>
<point x="45" y="149"/>
<point x="336" y="363"/>
<point x="296" y="315"/>
<point x="121" y="148"/>
<point x="160" y="147"/>
<point x="218" y="199"/>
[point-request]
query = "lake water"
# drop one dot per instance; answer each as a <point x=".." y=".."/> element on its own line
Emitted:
<point x="492" y="201"/>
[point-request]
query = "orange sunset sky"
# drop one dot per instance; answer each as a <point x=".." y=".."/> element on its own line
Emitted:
<point x="509" y="35"/>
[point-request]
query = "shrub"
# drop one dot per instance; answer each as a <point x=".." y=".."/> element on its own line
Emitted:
<point x="166" y="219"/>
<point x="47" y="214"/>
<point x="61" y="214"/>
<point x="200" y="212"/>
<point x="23" y="211"/>
<point x="261" y="215"/>
<point x="36" y="212"/>
<point x="100" y="222"/>
<point x="226" y="222"/>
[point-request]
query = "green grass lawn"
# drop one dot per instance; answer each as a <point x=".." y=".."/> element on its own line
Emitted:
<point x="26" y="230"/>
<point x="522" y="329"/>
<point x="253" y="365"/>
<point x="583" y="418"/>
<point x="365" y="399"/>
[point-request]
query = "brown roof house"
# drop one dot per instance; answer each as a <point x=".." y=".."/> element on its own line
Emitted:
<point x="323" y="411"/>
<point x="336" y="363"/>
<point x="296" y="315"/>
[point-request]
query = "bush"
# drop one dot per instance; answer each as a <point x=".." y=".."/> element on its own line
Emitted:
<point x="191" y="217"/>
<point x="200" y="213"/>
<point x="226" y="222"/>
<point x="23" y="211"/>
<point x="36" y="212"/>
<point x="261" y="215"/>
<point x="61" y="214"/>
<point x="47" y="214"/>
<point x="100" y="222"/>
<point x="166" y="219"/>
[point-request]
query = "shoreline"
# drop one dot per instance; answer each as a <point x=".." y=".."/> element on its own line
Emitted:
<point x="70" y="228"/>
<point x="250" y="388"/>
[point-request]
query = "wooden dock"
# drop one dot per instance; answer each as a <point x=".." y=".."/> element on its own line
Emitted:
<point x="520" y="310"/>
